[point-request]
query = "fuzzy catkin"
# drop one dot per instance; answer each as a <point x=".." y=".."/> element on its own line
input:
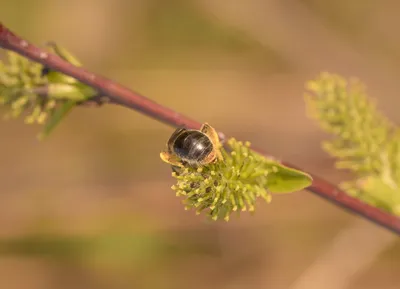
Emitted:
<point x="233" y="185"/>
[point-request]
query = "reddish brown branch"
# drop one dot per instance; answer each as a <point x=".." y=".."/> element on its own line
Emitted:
<point x="123" y="96"/>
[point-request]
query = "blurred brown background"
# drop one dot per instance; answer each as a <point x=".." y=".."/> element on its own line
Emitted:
<point x="92" y="207"/>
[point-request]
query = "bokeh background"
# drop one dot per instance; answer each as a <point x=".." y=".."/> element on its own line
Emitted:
<point x="91" y="207"/>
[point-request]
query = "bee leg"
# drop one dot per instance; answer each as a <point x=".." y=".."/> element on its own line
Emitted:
<point x="176" y="170"/>
<point x="170" y="159"/>
<point x="213" y="135"/>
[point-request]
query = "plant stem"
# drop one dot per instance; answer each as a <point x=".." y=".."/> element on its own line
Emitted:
<point x="121" y="95"/>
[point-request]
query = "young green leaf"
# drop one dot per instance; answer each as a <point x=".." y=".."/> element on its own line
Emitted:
<point x="75" y="92"/>
<point x="58" y="114"/>
<point x="64" y="53"/>
<point x="282" y="179"/>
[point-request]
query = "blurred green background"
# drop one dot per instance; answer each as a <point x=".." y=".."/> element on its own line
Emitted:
<point x="92" y="207"/>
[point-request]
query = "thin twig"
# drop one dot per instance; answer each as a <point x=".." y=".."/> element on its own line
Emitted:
<point x="121" y="95"/>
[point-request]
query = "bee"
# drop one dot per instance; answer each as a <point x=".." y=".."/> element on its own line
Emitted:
<point x="193" y="148"/>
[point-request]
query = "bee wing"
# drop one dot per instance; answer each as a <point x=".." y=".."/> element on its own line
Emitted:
<point x="213" y="135"/>
<point x="170" y="159"/>
<point x="173" y="137"/>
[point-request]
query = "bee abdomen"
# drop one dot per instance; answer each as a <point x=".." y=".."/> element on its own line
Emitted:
<point x="193" y="146"/>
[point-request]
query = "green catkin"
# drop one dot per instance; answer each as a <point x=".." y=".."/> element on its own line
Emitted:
<point x="363" y="139"/>
<point x="232" y="185"/>
<point x="18" y="79"/>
